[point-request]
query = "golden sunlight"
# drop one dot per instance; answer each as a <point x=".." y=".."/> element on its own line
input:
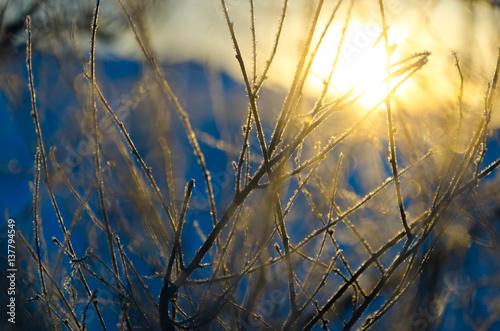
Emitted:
<point x="361" y="65"/>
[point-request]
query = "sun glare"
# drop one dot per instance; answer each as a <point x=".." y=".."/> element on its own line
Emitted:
<point x="361" y="65"/>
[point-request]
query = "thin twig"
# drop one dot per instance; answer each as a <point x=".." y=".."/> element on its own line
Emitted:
<point x="100" y="183"/>
<point x="391" y="129"/>
<point x="177" y="249"/>
<point x="169" y="175"/>
<point x="84" y="314"/>
<point x="286" y="246"/>
<point x="254" y="44"/>
<point x="491" y="95"/>
<point x="277" y="39"/>
<point x="36" y="223"/>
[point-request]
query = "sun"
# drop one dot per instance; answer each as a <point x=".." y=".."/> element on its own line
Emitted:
<point x="361" y="65"/>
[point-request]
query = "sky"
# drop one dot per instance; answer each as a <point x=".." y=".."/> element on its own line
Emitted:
<point x="197" y="31"/>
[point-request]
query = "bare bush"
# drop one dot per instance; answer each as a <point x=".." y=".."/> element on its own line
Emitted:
<point x="325" y="213"/>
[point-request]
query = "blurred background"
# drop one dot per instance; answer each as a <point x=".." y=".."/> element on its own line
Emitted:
<point x="458" y="290"/>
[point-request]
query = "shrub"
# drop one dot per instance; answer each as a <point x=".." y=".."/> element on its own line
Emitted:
<point x="325" y="213"/>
